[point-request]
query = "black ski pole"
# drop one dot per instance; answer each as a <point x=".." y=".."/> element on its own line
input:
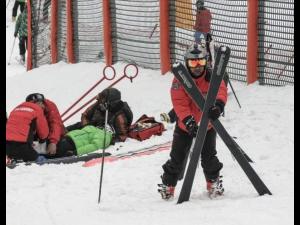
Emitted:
<point x="103" y="153"/>
<point x="234" y="93"/>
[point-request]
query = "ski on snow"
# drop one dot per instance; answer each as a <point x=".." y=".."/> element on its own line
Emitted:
<point x="127" y="155"/>
<point x="63" y="160"/>
<point x="181" y="73"/>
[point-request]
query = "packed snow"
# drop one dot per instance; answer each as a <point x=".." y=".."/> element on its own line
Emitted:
<point x="68" y="194"/>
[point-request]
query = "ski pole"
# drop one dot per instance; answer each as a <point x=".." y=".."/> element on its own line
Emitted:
<point x="7" y="3"/>
<point x="234" y="93"/>
<point x="84" y="105"/>
<point x="105" y="77"/>
<point x="103" y="152"/>
<point x="11" y="51"/>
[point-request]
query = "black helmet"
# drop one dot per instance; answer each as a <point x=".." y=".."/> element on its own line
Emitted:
<point x="200" y="4"/>
<point x="193" y="53"/>
<point x="111" y="96"/>
<point x="35" y="97"/>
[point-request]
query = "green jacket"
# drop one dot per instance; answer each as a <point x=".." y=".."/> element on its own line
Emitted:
<point x="89" y="139"/>
<point x="21" y="24"/>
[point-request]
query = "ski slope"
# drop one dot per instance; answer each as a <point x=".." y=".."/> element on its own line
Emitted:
<point x="67" y="194"/>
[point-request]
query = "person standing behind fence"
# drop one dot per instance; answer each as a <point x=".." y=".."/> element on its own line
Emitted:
<point x="203" y="22"/>
<point x="203" y="30"/>
<point x="18" y="3"/>
<point x="21" y="29"/>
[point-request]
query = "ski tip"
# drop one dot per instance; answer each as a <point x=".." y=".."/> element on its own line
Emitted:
<point x="176" y="64"/>
<point x="224" y="49"/>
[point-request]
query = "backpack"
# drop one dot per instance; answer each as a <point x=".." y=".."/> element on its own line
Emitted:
<point x="145" y="127"/>
<point x="127" y="111"/>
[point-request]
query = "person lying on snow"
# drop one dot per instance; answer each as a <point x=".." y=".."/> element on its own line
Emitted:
<point x="83" y="141"/>
<point x="88" y="135"/>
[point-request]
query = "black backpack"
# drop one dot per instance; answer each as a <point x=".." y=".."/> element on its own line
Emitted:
<point x="126" y="110"/>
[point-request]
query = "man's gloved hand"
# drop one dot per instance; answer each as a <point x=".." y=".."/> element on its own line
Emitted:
<point x="51" y="149"/>
<point x="15" y="34"/>
<point x="215" y="111"/>
<point x="190" y="125"/>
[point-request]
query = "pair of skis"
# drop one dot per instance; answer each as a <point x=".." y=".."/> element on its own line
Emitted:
<point x="183" y="76"/>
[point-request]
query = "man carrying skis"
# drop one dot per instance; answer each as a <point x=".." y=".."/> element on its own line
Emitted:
<point x="21" y="29"/>
<point x="186" y="127"/>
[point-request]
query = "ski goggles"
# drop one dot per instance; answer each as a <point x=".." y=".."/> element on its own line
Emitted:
<point x="195" y="62"/>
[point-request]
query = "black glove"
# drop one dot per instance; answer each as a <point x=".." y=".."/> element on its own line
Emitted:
<point x="190" y="125"/>
<point x="15" y="34"/>
<point x="215" y="111"/>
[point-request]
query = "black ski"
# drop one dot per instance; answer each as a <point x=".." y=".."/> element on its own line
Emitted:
<point x="63" y="160"/>
<point x="215" y="82"/>
<point x="185" y="78"/>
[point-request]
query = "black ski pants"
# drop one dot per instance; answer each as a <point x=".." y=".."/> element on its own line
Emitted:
<point x="182" y="142"/>
<point x="21" y="151"/>
<point x="65" y="147"/>
<point x="16" y="6"/>
<point x="22" y="45"/>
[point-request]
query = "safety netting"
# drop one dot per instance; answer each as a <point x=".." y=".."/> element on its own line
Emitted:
<point x="276" y="42"/>
<point x="87" y="30"/>
<point x="135" y="27"/>
<point x="228" y="27"/>
<point x="41" y="31"/>
<point x="62" y="31"/>
<point x="135" y="32"/>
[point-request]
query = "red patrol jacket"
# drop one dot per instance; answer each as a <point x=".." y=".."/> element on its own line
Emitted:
<point x="203" y="21"/>
<point x="55" y="124"/>
<point x="26" y="119"/>
<point x="183" y="104"/>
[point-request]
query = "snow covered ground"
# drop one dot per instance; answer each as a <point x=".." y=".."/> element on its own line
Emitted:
<point x="67" y="194"/>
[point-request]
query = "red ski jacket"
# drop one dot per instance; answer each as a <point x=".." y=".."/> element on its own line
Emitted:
<point x="24" y="121"/>
<point x="183" y="104"/>
<point x="203" y="21"/>
<point x="55" y="124"/>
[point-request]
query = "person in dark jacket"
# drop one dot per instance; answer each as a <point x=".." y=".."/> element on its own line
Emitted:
<point x="18" y="3"/>
<point x="21" y="29"/>
<point x="188" y="116"/>
<point x="54" y="121"/>
<point x="25" y="122"/>
<point x="119" y="114"/>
